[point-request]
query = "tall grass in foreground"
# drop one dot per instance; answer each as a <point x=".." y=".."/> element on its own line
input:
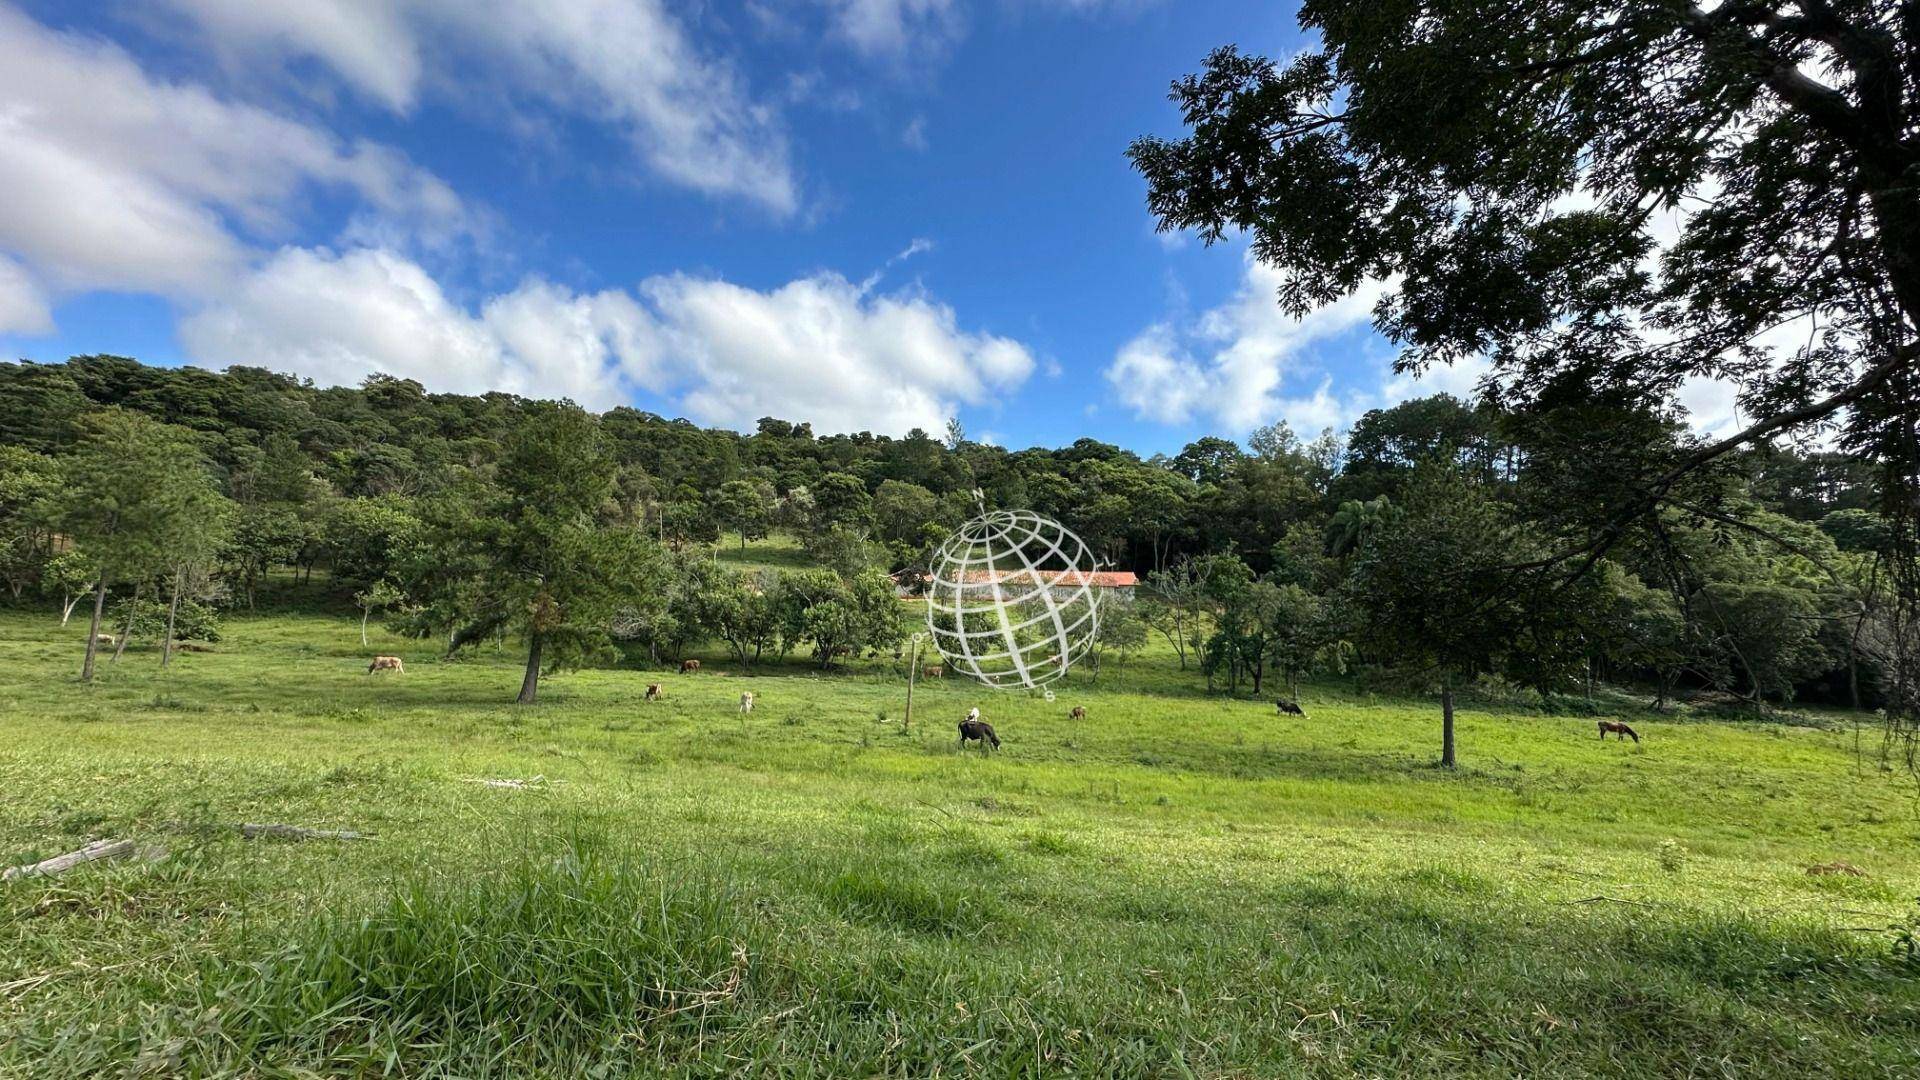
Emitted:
<point x="589" y="963"/>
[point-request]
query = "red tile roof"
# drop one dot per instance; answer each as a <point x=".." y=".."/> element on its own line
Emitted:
<point x="1099" y="579"/>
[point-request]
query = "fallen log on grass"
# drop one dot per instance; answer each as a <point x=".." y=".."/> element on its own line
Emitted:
<point x="60" y="864"/>
<point x="517" y="785"/>
<point x="295" y="832"/>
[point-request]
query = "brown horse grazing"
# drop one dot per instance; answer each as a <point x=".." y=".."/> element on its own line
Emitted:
<point x="386" y="663"/>
<point x="654" y="693"/>
<point x="972" y="730"/>
<point x="1619" y="729"/>
<point x="1291" y="708"/>
<point x="1078" y="712"/>
<point x="687" y="666"/>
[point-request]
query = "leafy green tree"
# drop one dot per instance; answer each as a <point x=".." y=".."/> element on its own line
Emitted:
<point x="1172" y="602"/>
<point x="73" y="577"/>
<point x="686" y="521"/>
<point x="548" y="566"/>
<point x="1434" y="587"/>
<point x="129" y="492"/>
<point x="199" y="533"/>
<point x="27" y="481"/>
<point x="840" y="500"/>
<point x="1303" y="634"/>
<point x="742" y="506"/>
<point x="364" y="538"/>
<point x="379" y="596"/>
<point x="1121" y="629"/>
<point x="1517" y="174"/>
<point x="1858" y="530"/>
<point x="902" y="512"/>
<point x="264" y="535"/>
<point x="1355" y="522"/>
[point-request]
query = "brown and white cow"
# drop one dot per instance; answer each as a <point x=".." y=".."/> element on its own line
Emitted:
<point x="1078" y="712"/>
<point x="746" y="701"/>
<point x="689" y="666"/>
<point x="934" y="672"/>
<point x="653" y="692"/>
<point x="386" y="663"/>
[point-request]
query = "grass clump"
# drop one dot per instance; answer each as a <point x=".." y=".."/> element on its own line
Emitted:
<point x="898" y="896"/>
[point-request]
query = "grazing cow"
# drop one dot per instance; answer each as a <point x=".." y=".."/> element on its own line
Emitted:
<point x="1078" y="712"/>
<point x="687" y="666"/>
<point x="934" y="672"/>
<point x="974" y="729"/>
<point x="105" y="639"/>
<point x="1845" y="868"/>
<point x="653" y="692"/>
<point x="1619" y="729"/>
<point x="386" y="663"/>
<point x="746" y="701"/>
<point x="1290" y="708"/>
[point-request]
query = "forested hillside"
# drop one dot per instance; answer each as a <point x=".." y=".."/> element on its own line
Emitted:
<point x="1420" y="544"/>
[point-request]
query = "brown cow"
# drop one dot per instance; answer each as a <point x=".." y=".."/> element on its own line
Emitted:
<point x="687" y="666"/>
<point x="934" y="672"/>
<point x="1078" y="712"/>
<point x="653" y="692"/>
<point x="1618" y="728"/>
<point x="386" y="663"/>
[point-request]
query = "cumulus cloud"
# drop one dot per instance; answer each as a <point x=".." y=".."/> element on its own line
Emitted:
<point x="1232" y="364"/>
<point x="825" y="349"/>
<point x="821" y="348"/>
<point x="114" y="179"/>
<point x="627" y="63"/>
<point x="340" y="317"/>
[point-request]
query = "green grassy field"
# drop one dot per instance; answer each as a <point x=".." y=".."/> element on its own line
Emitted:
<point x="1180" y="885"/>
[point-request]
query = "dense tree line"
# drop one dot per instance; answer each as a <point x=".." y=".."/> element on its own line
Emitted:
<point x="1417" y="545"/>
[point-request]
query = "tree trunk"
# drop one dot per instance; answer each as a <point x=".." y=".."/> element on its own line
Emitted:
<point x="93" y="632"/>
<point x="365" y="614"/>
<point x="72" y="601"/>
<point x="1446" y="726"/>
<point x="530" y="685"/>
<point x="173" y="609"/>
<point x="133" y="605"/>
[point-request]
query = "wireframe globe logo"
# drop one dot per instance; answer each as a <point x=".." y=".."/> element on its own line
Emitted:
<point x="1011" y="601"/>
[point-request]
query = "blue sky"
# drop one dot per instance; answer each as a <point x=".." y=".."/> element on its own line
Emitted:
<point x="870" y="214"/>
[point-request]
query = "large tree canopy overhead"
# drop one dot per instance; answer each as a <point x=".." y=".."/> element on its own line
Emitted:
<point x="1628" y="193"/>
<point x="1604" y="197"/>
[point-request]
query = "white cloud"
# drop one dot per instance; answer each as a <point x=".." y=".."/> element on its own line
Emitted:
<point x="23" y="307"/>
<point x="820" y="348"/>
<point x="824" y="349"/>
<point x="339" y="318"/>
<point x="914" y="136"/>
<point x="627" y="63"/>
<point x="894" y="28"/>
<point x="1231" y="364"/>
<point x="899" y="29"/>
<point x="114" y="179"/>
